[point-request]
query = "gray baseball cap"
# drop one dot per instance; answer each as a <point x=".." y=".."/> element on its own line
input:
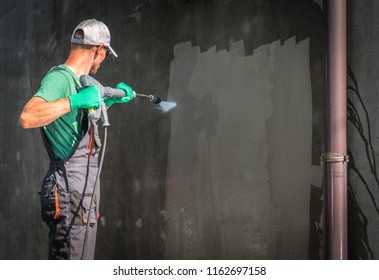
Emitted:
<point x="95" y="33"/>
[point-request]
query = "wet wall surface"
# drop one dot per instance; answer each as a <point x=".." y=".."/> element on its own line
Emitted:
<point x="231" y="172"/>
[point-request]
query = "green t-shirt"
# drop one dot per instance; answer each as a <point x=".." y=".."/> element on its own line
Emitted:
<point x="65" y="132"/>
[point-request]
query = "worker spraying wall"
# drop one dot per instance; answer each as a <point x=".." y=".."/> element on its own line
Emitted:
<point x="223" y="167"/>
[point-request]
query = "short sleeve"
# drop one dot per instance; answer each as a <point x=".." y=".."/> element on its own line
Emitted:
<point x="54" y="86"/>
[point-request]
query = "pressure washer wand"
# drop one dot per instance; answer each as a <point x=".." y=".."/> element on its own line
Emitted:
<point x="87" y="80"/>
<point x="152" y="98"/>
<point x="119" y="93"/>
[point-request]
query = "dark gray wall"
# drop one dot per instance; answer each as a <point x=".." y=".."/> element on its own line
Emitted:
<point x="232" y="172"/>
<point x="363" y="129"/>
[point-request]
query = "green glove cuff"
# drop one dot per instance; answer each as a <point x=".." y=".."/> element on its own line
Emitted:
<point x="129" y="95"/>
<point x="88" y="97"/>
<point x="128" y="90"/>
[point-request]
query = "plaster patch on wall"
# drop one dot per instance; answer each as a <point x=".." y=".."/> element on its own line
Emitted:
<point x="239" y="152"/>
<point x="103" y="220"/>
<point x="139" y="223"/>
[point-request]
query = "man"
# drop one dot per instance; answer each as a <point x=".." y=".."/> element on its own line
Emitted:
<point x="59" y="108"/>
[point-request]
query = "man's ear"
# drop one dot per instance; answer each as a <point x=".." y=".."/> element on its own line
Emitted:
<point x="96" y="53"/>
<point x="98" y="49"/>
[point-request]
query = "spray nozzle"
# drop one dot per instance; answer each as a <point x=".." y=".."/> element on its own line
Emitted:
<point x="155" y="99"/>
<point x="152" y="98"/>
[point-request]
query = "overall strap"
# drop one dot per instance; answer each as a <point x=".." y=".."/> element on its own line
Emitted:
<point x="57" y="68"/>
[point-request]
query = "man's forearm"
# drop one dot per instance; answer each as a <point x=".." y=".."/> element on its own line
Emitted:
<point x="38" y="112"/>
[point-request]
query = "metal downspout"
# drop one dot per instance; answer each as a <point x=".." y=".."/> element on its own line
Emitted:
<point x="335" y="155"/>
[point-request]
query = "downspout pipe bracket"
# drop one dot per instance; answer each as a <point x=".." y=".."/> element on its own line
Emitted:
<point x="334" y="157"/>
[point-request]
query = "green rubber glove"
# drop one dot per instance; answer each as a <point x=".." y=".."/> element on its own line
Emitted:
<point x="87" y="98"/>
<point x="129" y="95"/>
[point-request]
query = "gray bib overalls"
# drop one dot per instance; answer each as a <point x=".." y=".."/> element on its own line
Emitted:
<point x="66" y="194"/>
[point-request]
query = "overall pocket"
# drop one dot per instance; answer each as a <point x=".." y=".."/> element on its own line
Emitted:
<point x="80" y="206"/>
<point x="86" y="203"/>
<point x="49" y="198"/>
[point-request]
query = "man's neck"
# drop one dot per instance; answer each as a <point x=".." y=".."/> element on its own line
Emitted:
<point x="79" y="62"/>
